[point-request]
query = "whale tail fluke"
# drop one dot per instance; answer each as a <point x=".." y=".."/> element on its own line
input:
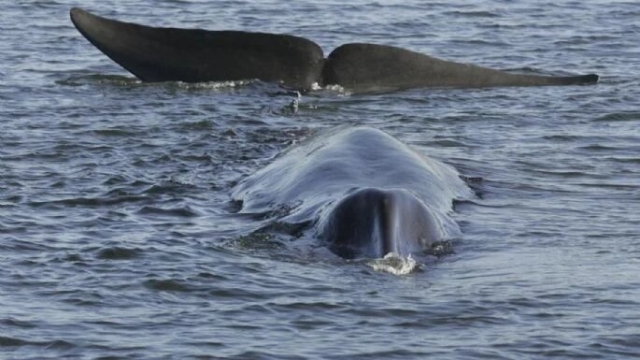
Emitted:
<point x="193" y="55"/>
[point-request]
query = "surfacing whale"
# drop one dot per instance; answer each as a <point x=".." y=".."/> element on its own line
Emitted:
<point x="366" y="193"/>
<point x="191" y="55"/>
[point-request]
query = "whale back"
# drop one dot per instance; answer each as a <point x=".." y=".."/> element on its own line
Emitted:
<point x="310" y="179"/>
<point x="192" y="55"/>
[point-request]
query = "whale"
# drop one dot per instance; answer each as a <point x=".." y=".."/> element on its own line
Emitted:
<point x="157" y="54"/>
<point x="361" y="192"/>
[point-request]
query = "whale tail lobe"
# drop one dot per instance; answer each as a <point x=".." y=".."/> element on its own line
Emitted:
<point x="192" y="55"/>
<point x="361" y="67"/>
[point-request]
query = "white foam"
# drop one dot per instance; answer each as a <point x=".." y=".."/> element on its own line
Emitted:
<point x="395" y="264"/>
<point x="337" y="89"/>
<point x="214" y="84"/>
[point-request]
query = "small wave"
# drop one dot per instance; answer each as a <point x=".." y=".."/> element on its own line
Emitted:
<point x="17" y="323"/>
<point x="172" y="186"/>
<point x="473" y="14"/>
<point x="395" y="264"/>
<point x="598" y="147"/>
<point x="619" y="116"/>
<point x="447" y="143"/>
<point x="72" y="258"/>
<point x="199" y="125"/>
<point x="83" y="80"/>
<point x="6" y="341"/>
<point x="625" y="160"/>
<point x="167" y="285"/>
<point x="561" y="137"/>
<point x="59" y="345"/>
<point x="114" y="132"/>
<point x="585" y="40"/>
<point x="612" y="186"/>
<point x="479" y="42"/>
<point x="88" y="202"/>
<point x="11" y="342"/>
<point x="180" y="212"/>
<point x="118" y="253"/>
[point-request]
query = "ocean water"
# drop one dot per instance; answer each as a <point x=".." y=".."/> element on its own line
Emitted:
<point x="119" y="239"/>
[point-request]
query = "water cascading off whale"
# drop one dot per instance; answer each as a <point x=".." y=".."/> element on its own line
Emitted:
<point x="191" y="55"/>
<point x="366" y="193"/>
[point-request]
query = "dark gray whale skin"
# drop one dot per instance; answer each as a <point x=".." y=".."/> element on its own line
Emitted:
<point x="369" y="67"/>
<point x="192" y="55"/>
<point x="366" y="193"/>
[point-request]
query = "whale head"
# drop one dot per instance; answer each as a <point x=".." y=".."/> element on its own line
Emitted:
<point x="371" y="222"/>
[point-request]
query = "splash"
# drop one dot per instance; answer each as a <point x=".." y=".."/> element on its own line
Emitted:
<point x="395" y="264"/>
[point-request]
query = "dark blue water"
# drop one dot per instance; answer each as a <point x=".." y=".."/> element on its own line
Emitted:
<point x="119" y="239"/>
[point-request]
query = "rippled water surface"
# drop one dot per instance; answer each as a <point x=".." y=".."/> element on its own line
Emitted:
<point x="119" y="239"/>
